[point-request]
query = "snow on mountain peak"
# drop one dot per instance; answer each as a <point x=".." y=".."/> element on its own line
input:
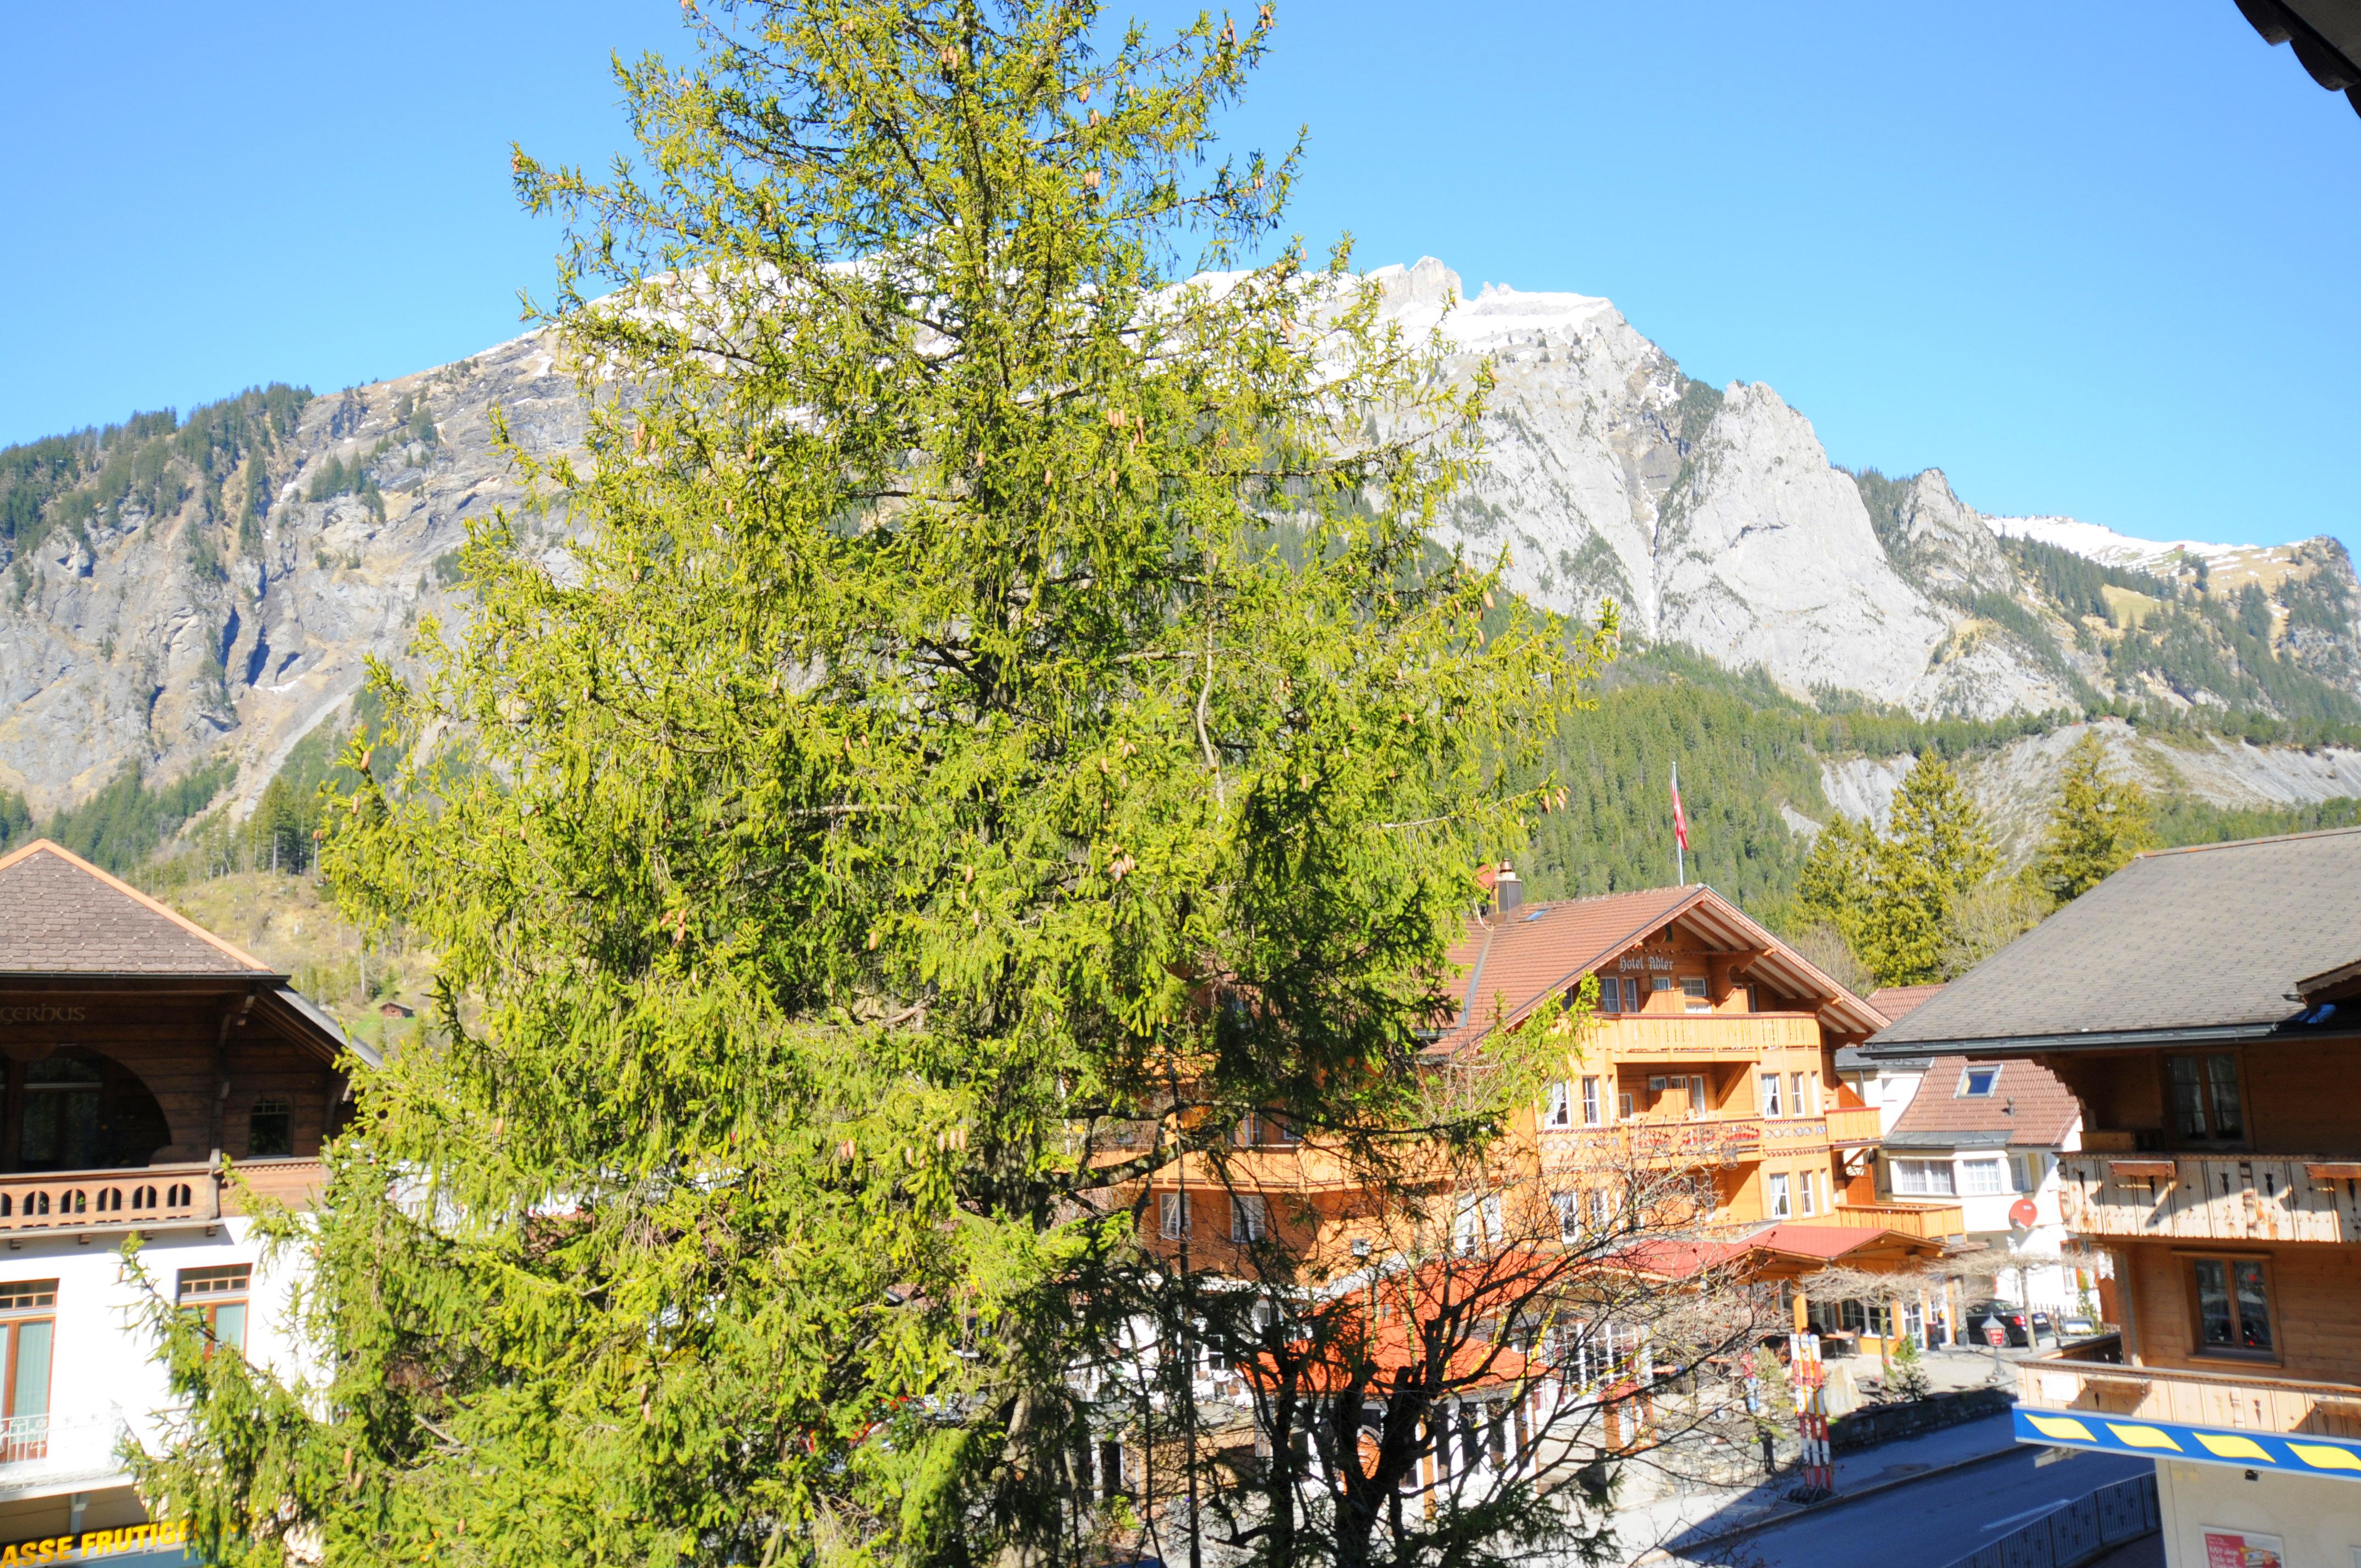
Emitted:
<point x="2104" y="545"/>
<point x="1416" y="296"/>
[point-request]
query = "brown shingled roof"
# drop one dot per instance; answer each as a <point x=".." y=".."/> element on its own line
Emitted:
<point x="2028" y="1107"/>
<point x="1514" y="961"/>
<point x="60" y="915"/>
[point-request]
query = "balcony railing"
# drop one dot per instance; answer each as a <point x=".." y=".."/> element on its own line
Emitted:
<point x="1851" y="1126"/>
<point x="1709" y="1138"/>
<point x="1706" y="1036"/>
<point x="2239" y="1401"/>
<point x="156" y="1197"/>
<point x="2214" y="1198"/>
<point x="1931" y="1222"/>
<point x="40" y="1452"/>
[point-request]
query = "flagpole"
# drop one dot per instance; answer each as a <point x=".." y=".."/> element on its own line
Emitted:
<point x="1680" y="851"/>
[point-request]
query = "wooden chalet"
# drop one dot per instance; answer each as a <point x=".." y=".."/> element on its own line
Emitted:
<point x="1709" y="1052"/>
<point x="144" y="1059"/>
<point x="2203" y="1007"/>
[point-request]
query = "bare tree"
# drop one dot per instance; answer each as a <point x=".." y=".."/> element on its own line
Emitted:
<point x="1444" y="1353"/>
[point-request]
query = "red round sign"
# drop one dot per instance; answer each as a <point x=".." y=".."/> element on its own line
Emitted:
<point x="2023" y="1212"/>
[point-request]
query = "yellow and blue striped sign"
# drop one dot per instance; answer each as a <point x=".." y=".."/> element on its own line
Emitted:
<point x="2295" y="1454"/>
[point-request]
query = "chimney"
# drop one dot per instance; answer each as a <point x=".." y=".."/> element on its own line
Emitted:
<point x="1506" y="890"/>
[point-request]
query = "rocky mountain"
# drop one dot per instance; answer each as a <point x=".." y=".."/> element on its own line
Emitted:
<point x="152" y="613"/>
<point x="177" y="590"/>
<point x="1715" y="520"/>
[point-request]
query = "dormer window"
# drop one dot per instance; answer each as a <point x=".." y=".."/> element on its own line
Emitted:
<point x="1977" y="1083"/>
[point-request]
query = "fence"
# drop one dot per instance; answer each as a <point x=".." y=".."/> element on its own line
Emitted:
<point x="2075" y="1531"/>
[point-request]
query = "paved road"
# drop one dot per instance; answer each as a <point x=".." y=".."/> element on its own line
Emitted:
<point x="1932" y="1522"/>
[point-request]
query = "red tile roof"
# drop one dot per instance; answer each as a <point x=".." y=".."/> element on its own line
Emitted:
<point x="60" y="915"/>
<point x="1798" y="1238"/>
<point x="2028" y="1103"/>
<point x="1894" y="1001"/>
<point x="1514" y="961"/>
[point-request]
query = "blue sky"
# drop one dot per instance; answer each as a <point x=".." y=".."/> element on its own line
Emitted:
<point x="2095" y="258"/>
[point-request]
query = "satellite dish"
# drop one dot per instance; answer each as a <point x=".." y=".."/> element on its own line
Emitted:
<point x="2023" y="1214"/>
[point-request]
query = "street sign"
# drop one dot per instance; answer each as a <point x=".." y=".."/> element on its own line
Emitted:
<point x="1995" y="1335"/>
<point x="2023" y="1212"/>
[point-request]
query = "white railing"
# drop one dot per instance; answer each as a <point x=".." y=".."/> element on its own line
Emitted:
<point x="35" y="1449"/>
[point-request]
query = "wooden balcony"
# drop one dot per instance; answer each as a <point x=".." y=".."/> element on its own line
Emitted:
<point x="1931" y="1222"/>
<point x="2067" y="1382"/>
<point x="2213" y="1198"/>
<point x="152" y="1198"/>
<point x="1270" y="1167"/>
<point x="1703" y="1036"/>
<point x="1854" y="1126"/>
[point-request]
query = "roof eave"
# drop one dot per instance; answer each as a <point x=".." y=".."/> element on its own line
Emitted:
<point x="222" y="980"/>
<point x="2097" y="1040"/>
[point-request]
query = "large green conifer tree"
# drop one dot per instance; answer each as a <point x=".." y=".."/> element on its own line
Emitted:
<point x="996" y="718"/>
<point x="2094" y="829"/>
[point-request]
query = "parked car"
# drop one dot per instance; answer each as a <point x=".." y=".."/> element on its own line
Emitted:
<point x="2025" y="1328"/>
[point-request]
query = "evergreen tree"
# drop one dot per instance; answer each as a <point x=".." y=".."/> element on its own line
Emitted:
<point x="1001" y="722"/>
<point x="1895" y="896"/>
<point x="2095" y="828"/>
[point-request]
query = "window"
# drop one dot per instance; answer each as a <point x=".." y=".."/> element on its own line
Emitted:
<point x="1560" y="1112"/>
<point x="1796" y="1094"/>
<point x="1922" y="1177"/>
<point x="1982" y="1178"/>
<point x="1611" y="994"/>
<point x="270" y="1127"/>
<point x="1590" y="1103"/>
<point x="1769" y="1089"/>
<point x="1754" y="999"/>
<point x="29" y="1320"/>
<point x="1976" y="1082"/>
<point x="1172" y="1214"/>
<point x="2233" y="1307"/>
<point x="1623" y="1106"/>
<point x="1693" y="996"/>
<point x="1813" y="1080"/>
<point x="1249" y="1218"/>
<point x="1602" y="1209"/>
<point x="1289" y="1132"/>
<point x="1806" y="1180"/>
<point x="1778" y="1203"/>
<point x="1479" y="1223"/>
<point x="61" y="1114"/>
<point x="2027" y="1169"/>
<point x="1631" y="994"/>
<point x="1660" y="982"/>
<point x="2205" y="1094"/>
<point x="218" y="1296"/>
<point x="1569" y="1215"/>
<point x="1698" y="1106"/>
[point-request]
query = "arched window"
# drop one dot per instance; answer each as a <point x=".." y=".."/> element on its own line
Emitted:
<point x="270" y="1127"/>
<point x="83" y="1111"/>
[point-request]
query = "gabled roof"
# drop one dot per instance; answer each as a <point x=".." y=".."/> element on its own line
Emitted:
<point x="2028" y="1108"/>
<point x="59" y="914"/>
<point x="2181" y="945"/>
<point x="1522" y="958"/>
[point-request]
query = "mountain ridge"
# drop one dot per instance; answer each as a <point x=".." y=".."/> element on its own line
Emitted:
<point x="166" y="600"/>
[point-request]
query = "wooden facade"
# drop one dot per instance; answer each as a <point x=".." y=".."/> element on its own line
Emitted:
<point x="1697" y="1056"/>
<point x="141" y="1058"/>
<point x="2233" y="1213"/>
